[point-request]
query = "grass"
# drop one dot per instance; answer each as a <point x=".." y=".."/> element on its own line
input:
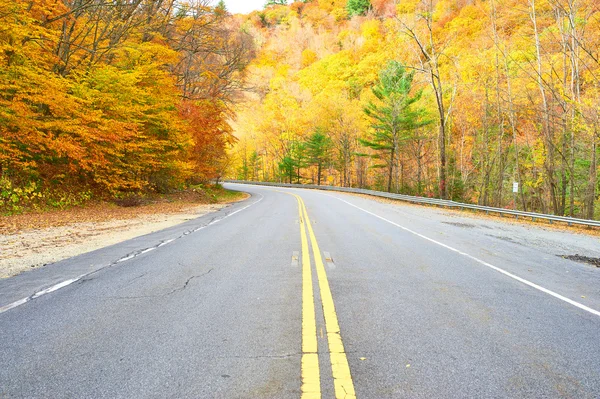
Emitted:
<point x="221" y="195"/>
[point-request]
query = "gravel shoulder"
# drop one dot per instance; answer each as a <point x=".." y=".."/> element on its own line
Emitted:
<point x="32" y="241"/>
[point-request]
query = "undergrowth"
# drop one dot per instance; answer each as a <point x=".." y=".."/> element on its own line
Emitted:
<point x="30" y="197"/>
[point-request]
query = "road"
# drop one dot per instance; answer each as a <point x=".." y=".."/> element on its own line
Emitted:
<point x="299" y="293"/>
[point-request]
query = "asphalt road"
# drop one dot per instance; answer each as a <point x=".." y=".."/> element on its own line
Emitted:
<point x="407" y="302"/>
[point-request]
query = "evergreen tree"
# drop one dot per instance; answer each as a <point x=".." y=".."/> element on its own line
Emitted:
<point x="318" y="148"/>
<point x="287" y="168"/>
<point x="358" y="7"/>
<point x="292" y="162"/>
<point x="276" y="3"/>
<point x="396" y="115"/>
<point x="221" y="7"/>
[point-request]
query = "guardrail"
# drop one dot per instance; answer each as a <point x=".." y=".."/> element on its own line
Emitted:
<point x="433" y="201"/>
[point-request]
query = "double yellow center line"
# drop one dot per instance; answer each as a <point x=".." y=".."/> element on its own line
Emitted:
<point x="311" y="379"/>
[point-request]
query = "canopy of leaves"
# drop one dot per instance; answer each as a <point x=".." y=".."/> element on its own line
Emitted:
<point x="513" y="86"/>
<point x="113" y="98"/>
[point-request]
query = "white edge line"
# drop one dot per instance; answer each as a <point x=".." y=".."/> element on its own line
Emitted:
<point x="74" y="280"/>
<point x="55" y="288"/>
<point x="496" y="268"/>
<point x="126" y="258"/>
<point x="165" y="243"/>
<point x="14" y="304"/>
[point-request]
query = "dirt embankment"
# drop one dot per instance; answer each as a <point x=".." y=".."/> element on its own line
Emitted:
<point x="33" y="240"/>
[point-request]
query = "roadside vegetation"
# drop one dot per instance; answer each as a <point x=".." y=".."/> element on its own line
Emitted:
<point x="489" y="102"/>
<point x="113" y="101"/>
<point x="131" y="207"/>
<point x="483" y="101"/>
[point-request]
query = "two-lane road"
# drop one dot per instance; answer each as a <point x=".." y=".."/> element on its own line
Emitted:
<point x="299" y="293"/>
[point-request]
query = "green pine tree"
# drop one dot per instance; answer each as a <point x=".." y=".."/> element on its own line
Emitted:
<point x="358" y="7"/>
<point x="396" y="115"/>
<point x="221" y="7"/>
<point x="318" y="151"/>
<point x="276" y="3"/>
<point x="293" y="161"/>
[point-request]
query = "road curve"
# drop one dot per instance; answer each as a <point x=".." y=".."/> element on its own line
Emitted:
<point x="304" y="294"/>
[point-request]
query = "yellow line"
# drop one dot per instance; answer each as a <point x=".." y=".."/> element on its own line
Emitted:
<point x="340" y="369"/>
<point x="342" y="379"/>
<point x="311" y="379"/>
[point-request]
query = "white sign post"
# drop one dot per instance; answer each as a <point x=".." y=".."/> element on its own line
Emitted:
<point x="515" y="187"/>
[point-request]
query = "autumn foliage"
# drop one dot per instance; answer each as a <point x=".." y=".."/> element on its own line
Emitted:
<point x="104" y="99"/>
<point x="511" y="89"/>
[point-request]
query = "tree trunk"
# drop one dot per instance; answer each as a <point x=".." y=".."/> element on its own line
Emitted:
<point x="442" y="138"/>
<point x="548" y="132"/>
<point x="592" y="181"/>
<point x="401" y="188"/>
<point x="391" y="170"/>
<point x="513" y="126"/>
<point x="419" y="170"/>
<point x="499" y="110"/>
<point x="319" y="174"/>
<point x="430" y="65"/>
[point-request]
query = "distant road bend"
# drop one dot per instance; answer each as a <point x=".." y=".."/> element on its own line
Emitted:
<point x="303" y="294"/>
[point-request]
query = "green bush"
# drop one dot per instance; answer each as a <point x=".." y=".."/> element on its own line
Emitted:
<point x="15" y="199"/>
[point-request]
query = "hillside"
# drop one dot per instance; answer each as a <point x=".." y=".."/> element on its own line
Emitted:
<point x="504" y="92"/>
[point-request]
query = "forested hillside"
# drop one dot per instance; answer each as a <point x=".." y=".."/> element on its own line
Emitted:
<point x="449" y="98"/>
<point x="104" y="99"/>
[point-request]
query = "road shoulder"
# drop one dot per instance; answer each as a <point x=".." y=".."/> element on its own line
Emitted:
<point x="38" y="279"/>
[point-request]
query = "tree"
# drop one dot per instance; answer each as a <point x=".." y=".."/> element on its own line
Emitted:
<point x="292" y="161"/>
<point x="207" y="124"/>
<point x="522" y="108"/>
<point x="276" y="3"/>
<point x="430" y="53"/>
<point x="109" y="98"/>
<point x="395" y="117"/>
<point x="287" y="168"/>
<point x="254" y="165"/>
<point x="358" y="7"/>
<point x="221" y="7"/>
<point x="318" y="149"/>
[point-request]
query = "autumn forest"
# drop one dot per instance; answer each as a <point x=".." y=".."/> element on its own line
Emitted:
<point x="104" y="99"/>
<point x="482" y="101"/>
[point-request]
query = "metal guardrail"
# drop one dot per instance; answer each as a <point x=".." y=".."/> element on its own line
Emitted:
<point x="433" y="201"/>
